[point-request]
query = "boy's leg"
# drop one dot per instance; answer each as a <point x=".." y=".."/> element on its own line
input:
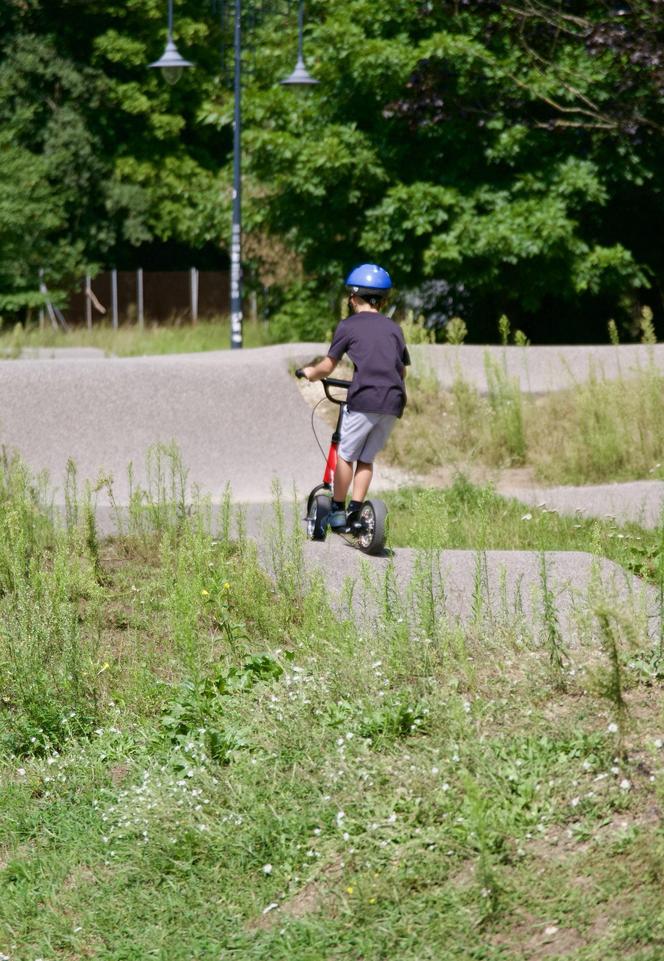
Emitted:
<point x="343" y="476"/>
<point x="374" y="443"/>
<point x="357" y="428"/>
<point x="362" y="480"/>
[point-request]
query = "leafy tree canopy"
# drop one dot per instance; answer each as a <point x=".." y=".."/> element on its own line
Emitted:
<point x="498" y="156"/>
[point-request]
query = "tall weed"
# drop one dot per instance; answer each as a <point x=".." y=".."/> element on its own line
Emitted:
<point x="599" y="429"/>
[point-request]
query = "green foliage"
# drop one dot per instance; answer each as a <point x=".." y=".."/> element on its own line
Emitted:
<point x="358" y="784"/>
<point x="200" y="706"/>
<point x="508" y="150"/>
<point x="467" y="516"/>
<point x="305" y="314"/>
<point x="92" y="162"/>
<point x="520" y="170"/>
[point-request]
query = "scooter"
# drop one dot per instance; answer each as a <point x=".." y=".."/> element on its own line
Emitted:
<point x="368" y="529"/>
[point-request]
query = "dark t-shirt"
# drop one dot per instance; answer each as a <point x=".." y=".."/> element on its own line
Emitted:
<point x="376" y="346"/>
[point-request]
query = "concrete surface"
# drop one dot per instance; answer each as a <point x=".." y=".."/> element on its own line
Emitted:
<point x="641" y="502"/>
<point x="236" y="416"/>
<point x="497" y="588"/>
<point x="539" y="370"/>
<point x="239" y="419"/>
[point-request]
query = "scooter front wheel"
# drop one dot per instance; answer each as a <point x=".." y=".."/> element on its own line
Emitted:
<point x="373" y="527"/>
<point x="318" y="511"/>
<point x="318" y="489"/>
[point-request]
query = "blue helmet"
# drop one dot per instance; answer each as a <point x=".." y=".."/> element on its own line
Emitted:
<point x="369" y="279"/>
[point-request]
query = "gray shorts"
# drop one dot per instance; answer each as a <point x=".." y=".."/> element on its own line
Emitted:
<point x="364" y="435"/>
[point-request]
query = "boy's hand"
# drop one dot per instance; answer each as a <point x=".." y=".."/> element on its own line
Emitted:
<point x="322" y="369"/>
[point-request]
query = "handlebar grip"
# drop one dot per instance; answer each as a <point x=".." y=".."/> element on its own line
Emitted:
<point x="299" y="372"/>
<point x="335" y="382"/>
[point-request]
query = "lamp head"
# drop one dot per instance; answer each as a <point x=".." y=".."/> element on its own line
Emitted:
<point x="171" y="63"/>
<point x="300" y="79"/>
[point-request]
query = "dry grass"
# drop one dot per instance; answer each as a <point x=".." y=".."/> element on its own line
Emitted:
<point x="599" y="430"/>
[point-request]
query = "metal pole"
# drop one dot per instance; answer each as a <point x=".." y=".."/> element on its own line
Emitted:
<point x="236" y="231"/>
<point x="114" y="297"/>
<point x="139" y="298"/>
<point x="88" y="301"/>
<point x="42" y="315"/>
<point x="300" y="32"/>
<point x="193" y="294"/>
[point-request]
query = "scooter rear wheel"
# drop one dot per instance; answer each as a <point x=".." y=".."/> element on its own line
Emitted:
<point x="373" y="520"/>
<point x="318" y="511"/>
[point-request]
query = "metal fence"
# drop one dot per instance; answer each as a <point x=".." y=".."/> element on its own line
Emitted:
<point x="139" y="297"/>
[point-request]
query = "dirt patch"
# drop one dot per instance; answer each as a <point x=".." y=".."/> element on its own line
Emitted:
<point x="81" y="876"/>
<point x="532" y="939"/>
<point x="505" y="480"/>
<point x="308" y="900"/>
<point x="118" y="774"/>
<point x="464" y="876"/>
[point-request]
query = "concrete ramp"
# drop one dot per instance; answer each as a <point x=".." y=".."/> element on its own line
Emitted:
<point x="237" y="417"/>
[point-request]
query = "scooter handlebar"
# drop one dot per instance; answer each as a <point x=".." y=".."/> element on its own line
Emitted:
<point x="334" y="382"/>
<point x="328" y="382"/>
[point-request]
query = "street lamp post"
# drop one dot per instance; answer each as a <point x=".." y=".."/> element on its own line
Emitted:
<point x="236" y="221"/>
<point x="172" y="64"/>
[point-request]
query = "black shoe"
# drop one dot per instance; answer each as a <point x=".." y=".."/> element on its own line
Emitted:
<point x="353" y="518"/>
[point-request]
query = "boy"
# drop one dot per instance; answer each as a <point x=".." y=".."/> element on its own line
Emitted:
<point x="377" y="395"/>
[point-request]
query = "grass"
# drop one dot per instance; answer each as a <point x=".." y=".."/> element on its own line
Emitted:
<point x="130" y="341"/>
<point x="597" y="430"/>
<point x="199" y="761"/>
<point x="468" y="517"/>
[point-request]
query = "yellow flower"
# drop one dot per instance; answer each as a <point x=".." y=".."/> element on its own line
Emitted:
<point x="227" y="586"/>
<point x="372" y="900"/>
<point x="349" y="890"/>
<point x="205" y="593"/>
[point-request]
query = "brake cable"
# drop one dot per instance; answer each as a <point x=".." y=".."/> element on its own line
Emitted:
<point x="313" y="428"/>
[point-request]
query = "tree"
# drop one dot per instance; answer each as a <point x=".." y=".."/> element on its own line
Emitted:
<point x="94" y="151"/>
<point x="500" y="147"/>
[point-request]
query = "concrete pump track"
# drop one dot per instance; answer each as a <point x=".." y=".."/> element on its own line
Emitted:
<point x="239" y="419"/>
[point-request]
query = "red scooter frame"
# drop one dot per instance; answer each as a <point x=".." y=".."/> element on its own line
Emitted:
<point x="367" y="531"/>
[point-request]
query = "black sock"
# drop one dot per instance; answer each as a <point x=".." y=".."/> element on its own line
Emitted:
<point x="354" y="506"/>
<point x="338" y="505"/>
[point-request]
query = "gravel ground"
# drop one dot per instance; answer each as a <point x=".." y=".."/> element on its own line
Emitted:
<point x="239" y="419"/>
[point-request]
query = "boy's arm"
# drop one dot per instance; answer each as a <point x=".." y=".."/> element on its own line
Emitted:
<point x="405" y="362"/>
<point x="322" y="369"/>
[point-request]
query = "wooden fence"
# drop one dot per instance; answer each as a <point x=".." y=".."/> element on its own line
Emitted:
<point x="139" y="297"/>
